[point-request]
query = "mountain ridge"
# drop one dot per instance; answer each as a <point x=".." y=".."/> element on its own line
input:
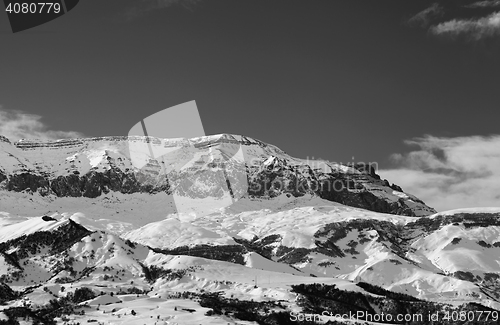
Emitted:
<point x="194" y="168"/>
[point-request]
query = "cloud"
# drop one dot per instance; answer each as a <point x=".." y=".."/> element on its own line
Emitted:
<point x="450" y="173"/>
<point x="472" y="22"/>
<point x="17" y="125"/>
<point x="472" y="29"/>
<point x="144" y="6"/>
<point x="426" y="16"/>
<point x="485" y="4"/>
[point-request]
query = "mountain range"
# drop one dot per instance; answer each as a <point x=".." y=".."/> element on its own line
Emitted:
<point x="228" y="229"/>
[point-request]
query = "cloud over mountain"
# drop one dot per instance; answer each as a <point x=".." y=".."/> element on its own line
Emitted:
<point x="450" y="173"/>
<point x="17" y="125"/>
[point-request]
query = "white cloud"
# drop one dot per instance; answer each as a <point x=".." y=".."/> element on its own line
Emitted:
<point x="425" y="17"/>
<point x="449" y="173"/>
<point x="473" y="29"/>
<point x="17" y="125"/>
<point x="485" y="4"/>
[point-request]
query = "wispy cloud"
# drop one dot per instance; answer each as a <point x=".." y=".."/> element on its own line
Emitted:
<point x="450" y="173"/>
<point x="473" y="29"/>
<point x="485" y="4"/>
<point x="145" y="6"/>
<point x="17" y="125"/>
<point x="475" y="21"/>
<point x="426" y="16"/>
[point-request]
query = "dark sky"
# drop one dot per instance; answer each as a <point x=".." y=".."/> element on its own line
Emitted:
<point x="324" y="78"/>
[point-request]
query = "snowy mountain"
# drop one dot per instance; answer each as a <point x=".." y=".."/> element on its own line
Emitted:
<point x="192" y="170"/>
<point x="96" y="230"/>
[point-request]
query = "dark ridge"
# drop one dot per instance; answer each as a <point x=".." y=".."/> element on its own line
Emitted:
<point x="4" y="139"/>
<point x="58" y="240"/>
<point x="226" y="253"/>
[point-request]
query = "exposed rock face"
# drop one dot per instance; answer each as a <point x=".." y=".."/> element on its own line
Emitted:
<point x="2" y="177"/>
<point x="27" y="181"/>
<point x="93" y="184"/>
<point x="359" y="187"/>
<point x="196" y="168"/>
<point x="90" y="185"/>
<point x="4" y="139"/>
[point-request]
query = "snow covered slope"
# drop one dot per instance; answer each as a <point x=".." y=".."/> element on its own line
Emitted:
<point x="18" y="229"/>
<point x="331" y="246"/>
<point x="450" y="255"/>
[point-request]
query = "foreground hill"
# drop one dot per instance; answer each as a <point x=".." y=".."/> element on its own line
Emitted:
<point x="259" y="261"/>
<point x="451" y="255"/>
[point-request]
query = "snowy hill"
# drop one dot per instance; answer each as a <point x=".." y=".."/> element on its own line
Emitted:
<point x="452" y="255"/>
<point x="259" y="256"/>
